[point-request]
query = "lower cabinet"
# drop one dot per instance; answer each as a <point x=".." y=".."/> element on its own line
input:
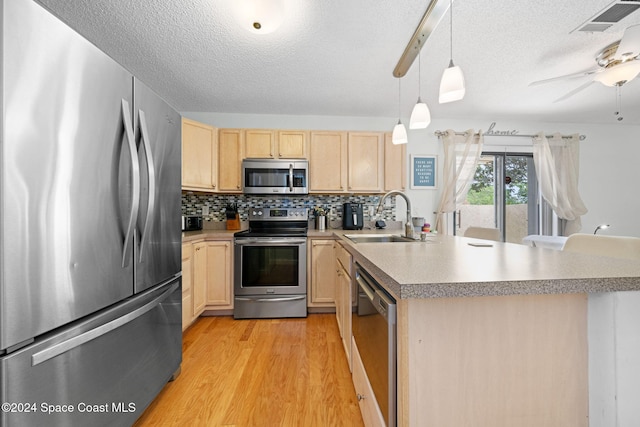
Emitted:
<point x="207" y="282"/>
<point x="321" y="280"/>
<point x="187" y="285"/>
<point x="369" y="409"/>
<point x="343" y="297"/>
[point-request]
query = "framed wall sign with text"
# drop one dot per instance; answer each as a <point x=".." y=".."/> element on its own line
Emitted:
<point x="424" y="169"/>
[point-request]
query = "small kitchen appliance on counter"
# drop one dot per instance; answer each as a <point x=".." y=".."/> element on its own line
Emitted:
<point x="352" y="216"/>
<point x="191" y="222"/>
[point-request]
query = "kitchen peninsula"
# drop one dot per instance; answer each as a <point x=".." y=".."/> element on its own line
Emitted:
<point x="493" y="335"/>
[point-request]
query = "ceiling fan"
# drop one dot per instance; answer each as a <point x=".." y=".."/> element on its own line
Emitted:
<point x="618" y="64"/>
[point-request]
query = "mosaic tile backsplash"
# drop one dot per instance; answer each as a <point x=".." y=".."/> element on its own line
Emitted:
<point x="192" y="204"/>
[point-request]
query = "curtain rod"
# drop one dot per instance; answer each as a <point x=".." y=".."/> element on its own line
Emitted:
<point x="440" y="133"/>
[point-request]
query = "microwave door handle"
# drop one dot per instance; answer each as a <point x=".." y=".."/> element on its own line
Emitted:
<point x="291" y="177"/>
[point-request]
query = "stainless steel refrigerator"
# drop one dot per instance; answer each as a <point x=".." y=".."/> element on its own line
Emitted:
<point x="90" y="266"/>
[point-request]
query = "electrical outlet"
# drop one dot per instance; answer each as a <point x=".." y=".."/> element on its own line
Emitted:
<point x="205" y="210"/>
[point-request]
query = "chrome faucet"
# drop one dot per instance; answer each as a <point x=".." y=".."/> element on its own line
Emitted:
<point x="408" y="227"/>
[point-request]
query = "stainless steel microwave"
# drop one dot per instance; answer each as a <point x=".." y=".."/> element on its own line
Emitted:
<point x="277" y="176"/>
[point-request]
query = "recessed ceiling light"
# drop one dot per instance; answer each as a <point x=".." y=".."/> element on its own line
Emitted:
<point x="260" y="16"/>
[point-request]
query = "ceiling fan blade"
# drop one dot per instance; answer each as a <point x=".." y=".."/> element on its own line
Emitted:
<point x="629" y="46"/>
<point x="567" y="77"/>
<point x="573" y="92"/>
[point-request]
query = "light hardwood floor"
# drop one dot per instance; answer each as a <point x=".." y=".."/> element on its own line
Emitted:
<point x="267" y="372"/>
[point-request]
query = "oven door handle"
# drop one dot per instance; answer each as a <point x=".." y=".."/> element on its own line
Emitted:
<point x="282" y="299"/>
<point x="267" y="242"/>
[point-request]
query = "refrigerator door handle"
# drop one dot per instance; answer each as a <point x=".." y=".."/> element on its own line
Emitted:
<point x="151" y="170"/>
<point x="71" y="343"/>
<point x="135" y="172"/>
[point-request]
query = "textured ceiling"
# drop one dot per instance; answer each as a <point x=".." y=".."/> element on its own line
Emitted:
<point x="336" y="57"/>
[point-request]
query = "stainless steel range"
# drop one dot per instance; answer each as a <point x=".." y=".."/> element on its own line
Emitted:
<point x="271" y="264"/>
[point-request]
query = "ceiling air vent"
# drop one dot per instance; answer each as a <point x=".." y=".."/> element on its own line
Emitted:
<point x="610" y="15"/>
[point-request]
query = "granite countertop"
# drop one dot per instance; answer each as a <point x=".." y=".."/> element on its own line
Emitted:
<point x="190" y="236"/>
<point x="448" y="266"/>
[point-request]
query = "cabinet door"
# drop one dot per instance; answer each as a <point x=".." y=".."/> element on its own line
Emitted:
<point x="199" y="163"/>
<point x="219" y="280"/>
<point x="365" y="161"/>
<point x="259" y="144"/>
<point x="371" y="414"/>
<point x="395" y="164"/>
<point x="292" y="144"/>
<point x="322" y="291"/>
<point x="230" y="155"/>
<point x="187" y="280"/>
<point x="199" y="286"/>
<point x="327" y="162"/>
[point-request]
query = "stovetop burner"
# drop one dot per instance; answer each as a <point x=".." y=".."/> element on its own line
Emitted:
<point x="280" y="222"/>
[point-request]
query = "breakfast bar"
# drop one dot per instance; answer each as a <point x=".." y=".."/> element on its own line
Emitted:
<point x="499" y="334"/>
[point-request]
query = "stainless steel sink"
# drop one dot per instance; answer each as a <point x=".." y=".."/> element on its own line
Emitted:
<point x="377" y="238"/>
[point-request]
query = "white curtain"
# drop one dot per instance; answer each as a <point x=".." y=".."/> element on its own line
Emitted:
<point x="461" y="155"/>
<point x="557" y="165"/>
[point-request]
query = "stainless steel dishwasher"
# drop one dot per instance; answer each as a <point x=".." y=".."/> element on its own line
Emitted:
<point x="374" y="331"/>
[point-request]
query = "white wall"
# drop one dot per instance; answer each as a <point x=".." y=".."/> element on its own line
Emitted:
<point x="609" y="158"/>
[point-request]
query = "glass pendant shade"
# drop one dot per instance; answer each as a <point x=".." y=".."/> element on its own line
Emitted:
<point x="420" y="116"/>
<point x="399" y="135"/>
<point x="452" y="86"/>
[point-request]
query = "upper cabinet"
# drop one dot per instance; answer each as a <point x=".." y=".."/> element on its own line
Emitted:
<point x="293" y="144"/>
<point x="395" y="165"/>
<point x="260" y="143"/>
<point x="199" y="159"/>
<point x="339" y="161"/>
<point x="328" y="162"/>
<point x="230" y="155"/>
<point x="273" y="144"/>
<point x="365" y="154"/>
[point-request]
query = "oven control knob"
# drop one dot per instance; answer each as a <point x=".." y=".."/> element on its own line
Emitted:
<point x="259" y="213"/>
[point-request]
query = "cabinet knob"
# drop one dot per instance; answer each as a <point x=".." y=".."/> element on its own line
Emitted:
<point x="360" y="397"/>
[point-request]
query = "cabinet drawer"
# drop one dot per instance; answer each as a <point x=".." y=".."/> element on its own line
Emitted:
<point x="369" y="409"/>
<point x="344" y="258"/>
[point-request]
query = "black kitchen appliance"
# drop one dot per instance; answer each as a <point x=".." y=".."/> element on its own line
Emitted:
<point x="352" y="216"/>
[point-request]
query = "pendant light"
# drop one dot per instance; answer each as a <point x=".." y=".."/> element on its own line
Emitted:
<point x="399" y="135"/>
<point x="420" y="116"/>
<point x="452" y="84"/>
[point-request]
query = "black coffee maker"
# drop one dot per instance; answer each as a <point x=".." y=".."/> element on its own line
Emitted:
<point x="352" y="216"/>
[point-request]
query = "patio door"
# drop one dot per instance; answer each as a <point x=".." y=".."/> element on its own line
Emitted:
<point x="503" y="195"/>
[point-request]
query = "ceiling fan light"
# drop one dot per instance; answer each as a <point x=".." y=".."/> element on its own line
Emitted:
<point x="420" y="116"/>
<point x="452" y="87"/>
<point x="619" y="74"/>
<point x="399" y="135"/>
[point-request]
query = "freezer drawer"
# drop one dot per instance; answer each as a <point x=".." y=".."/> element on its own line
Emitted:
<point x="91" y="374"/>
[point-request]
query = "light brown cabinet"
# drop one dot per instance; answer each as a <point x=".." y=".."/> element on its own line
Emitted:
<point x="365" y="154"/>
<point x="328" y="162"/>
<point x="292" y="144"/>
<point x="260" y="144"/>
<point x="321" y="278"/>
<point x="395" y="164"/>
<point x="346" y="162"/>
<point x="200" y="276"/>
<point x="187" y="284"/>
<point x="272" y="144"/>
<point x="219" y="294"/>
<point x="230" y="155"/>
<point x="344" y="299"/>
<point x="199" y="156"/>
<point x="371" y="414"/>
